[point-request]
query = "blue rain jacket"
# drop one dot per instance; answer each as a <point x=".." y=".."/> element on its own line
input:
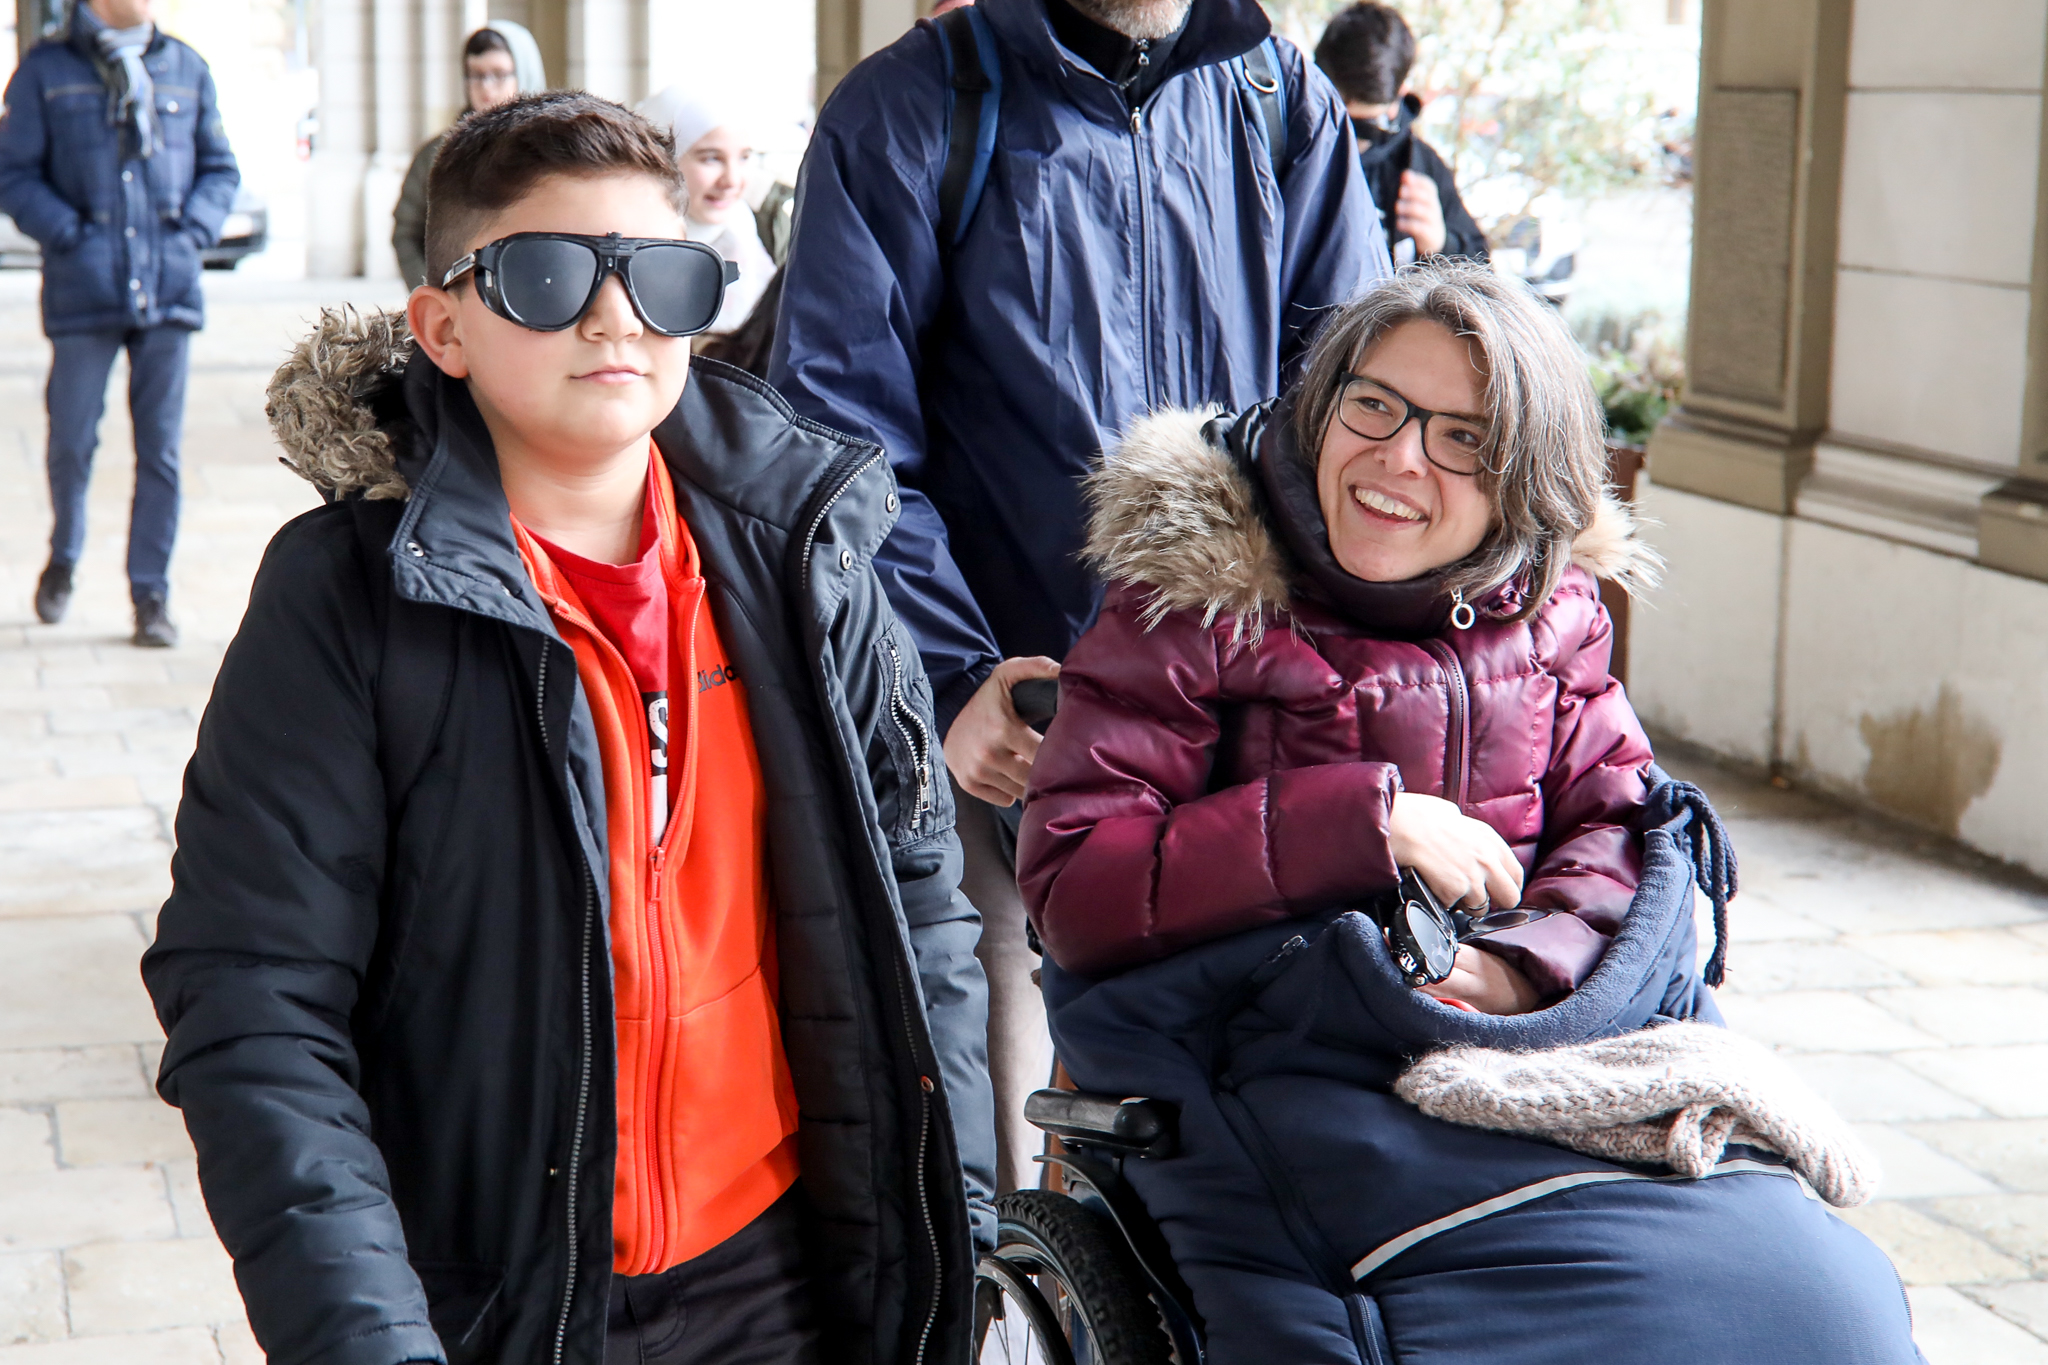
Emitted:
<point x="1114" y="264"/>
<point x="121" y="234"/>
<point x="1320" y="1220"/>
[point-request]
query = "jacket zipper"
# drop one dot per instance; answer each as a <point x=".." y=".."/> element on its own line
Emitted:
<point x="903" y="995"/>
<point x="1144" y="253"/>
<point x="919" y="742"/>
<point x="1458" y="733"/>
<point x="811" y="532"/>
<point x="574" y="1168"/>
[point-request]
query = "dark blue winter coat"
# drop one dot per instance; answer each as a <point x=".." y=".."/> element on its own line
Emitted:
<point x="1116" y="263"/>
<point x="121" y="234"/>
<point x="1319" y="1220"/>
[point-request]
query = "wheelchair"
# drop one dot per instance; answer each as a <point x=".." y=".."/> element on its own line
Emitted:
<point x="1081" y="1274"/>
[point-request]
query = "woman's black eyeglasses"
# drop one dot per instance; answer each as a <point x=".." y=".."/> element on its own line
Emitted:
<point x="1453" y="443"/>
<point x="546" y="281"/>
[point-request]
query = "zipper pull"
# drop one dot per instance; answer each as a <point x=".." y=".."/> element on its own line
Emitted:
<point x="1137" y="119"/>
<point x="924" y="790"/>
<point x="1462" y="615"/>
<point x="656" y="860"/>
<point x="1144" y="52"/>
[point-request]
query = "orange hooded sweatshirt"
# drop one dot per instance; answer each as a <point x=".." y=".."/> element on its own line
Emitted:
<point x="707" y="1114"/>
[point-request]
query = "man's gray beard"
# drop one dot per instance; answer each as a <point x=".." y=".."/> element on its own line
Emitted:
<point x="1137" y="19"/>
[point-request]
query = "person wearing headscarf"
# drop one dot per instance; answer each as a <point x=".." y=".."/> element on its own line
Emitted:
<point x="500" y="62"/>
<point x="715" y="148"/>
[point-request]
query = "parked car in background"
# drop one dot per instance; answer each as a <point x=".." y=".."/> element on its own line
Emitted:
<point x="245" y="232"/>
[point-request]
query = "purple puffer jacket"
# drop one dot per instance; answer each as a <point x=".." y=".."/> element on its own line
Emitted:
<point x="1234" y="728"/>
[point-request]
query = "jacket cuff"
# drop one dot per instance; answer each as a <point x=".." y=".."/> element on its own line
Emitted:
<point x="1326" y="831"/>
<point x="949" y="703"/>
<point x="1557" y="953"/>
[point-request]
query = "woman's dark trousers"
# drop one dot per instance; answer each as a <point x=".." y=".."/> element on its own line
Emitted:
<point x="157" y="361"/>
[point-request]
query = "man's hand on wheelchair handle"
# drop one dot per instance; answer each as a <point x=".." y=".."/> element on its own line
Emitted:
<point x="989" y="748"/>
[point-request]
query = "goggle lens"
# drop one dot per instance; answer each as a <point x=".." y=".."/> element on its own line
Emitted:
<point x="679" y="287"/>
<point x="546" y="281"/>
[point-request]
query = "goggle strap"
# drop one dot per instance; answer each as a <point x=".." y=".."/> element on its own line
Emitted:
<point x="456" y="271"/>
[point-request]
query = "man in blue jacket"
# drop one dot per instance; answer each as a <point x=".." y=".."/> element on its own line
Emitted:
<point x="113" y="158"/>
<point x="1135" y="246"/>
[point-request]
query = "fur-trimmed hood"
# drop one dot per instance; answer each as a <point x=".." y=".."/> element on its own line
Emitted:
<point x="1171" y="510"/>
<point x="334" y="402"/>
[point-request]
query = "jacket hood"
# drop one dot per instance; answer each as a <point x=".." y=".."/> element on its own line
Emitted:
<point x="335" y="403"/>
<point x="1176" y="513"/>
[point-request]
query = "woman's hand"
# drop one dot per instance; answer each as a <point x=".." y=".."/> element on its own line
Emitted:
<point x="1461" y="859"/>
<point x="989" y="747"/>
<point x="1486" y="983"/>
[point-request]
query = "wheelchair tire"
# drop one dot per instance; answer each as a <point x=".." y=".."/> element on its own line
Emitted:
<point x="1069" y="1272"/>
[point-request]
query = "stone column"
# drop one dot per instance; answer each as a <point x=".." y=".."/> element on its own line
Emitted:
<point x="2012" y="523"/>
<point x="1772" y="80"/>
<point x="397" y="81"/>
<point x="849" y="30"/>
<point x="342" y="52"/>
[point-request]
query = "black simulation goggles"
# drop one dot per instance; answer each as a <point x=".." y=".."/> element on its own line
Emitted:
<point x="546" y="281"/>
<point x="1424" y="936"/>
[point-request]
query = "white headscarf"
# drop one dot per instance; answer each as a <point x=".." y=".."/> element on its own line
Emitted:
<point x="688" y="117"/>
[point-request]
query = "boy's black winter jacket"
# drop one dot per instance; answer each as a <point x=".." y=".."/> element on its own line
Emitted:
<point x="389" y="998"/>
<point x="1405" y="151"/>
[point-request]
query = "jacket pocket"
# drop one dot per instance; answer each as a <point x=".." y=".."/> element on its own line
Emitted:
<point x="178" y="267"/>
<point x="84" y="279"/>
<point x="923" y="802"/>
<point x="459" y="1297"/>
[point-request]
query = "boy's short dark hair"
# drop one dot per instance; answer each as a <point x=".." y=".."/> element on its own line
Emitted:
<point x="493" y="157"/>
<point x="1366" y="52"/>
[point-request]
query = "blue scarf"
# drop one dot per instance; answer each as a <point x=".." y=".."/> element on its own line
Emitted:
<point x="134" y="94"/>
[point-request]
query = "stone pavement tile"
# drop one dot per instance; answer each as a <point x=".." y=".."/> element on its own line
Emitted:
<point x="23" y="725"/>
<point x="82" y="860"/>
<point x="136" y="1286"/>
<point x="1866" y="1088"/>
<point x="72" y="981"/>
<point x="62" y="748"/>
<point x="1962" y="957"/>
<point x="2016" y="1224"/>
<point x="44" y="1074"/>
<point x="2014" y="1152"/>
<point x="191" y="696"/>
<point x="59" y="1208"/>
<point x="1896" y="894"/>
<point x="2033" y="933"/>
<point x="238" y="1344"/>
<point x="180" y="1346"/>
<point x="1819" y="1021"/>
<point x="2011" y="1082"/>
<point x="86" y="720"/>
<point x="1912" y="1169"/>
<point x="1756" y="918"/>
<point x="188" y="1203"/>
<point x="128" y="1132"/>
<point x="25" y="1142"/>
<point x="2025" y="1303"/>
<point x="1790" y="966"/>
<point x="31" y="1298"/>
<point x="1930" y="1252"/>
<point x="1972" y="1014"/>
<point x="136" y="667"/>
<point x="1951" y="1330"/>
<point x="36" y="699"/>
<point x="69" y="793"/>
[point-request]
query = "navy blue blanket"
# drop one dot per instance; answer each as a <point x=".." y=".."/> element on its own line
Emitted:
<point x="1317" y="1218"/>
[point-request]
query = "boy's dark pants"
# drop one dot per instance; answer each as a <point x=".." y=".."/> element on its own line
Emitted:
<point x="156" y="402"/>
<point x="744" y="1302"/>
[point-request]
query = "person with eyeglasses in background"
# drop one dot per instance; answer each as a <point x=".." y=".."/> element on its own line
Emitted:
<point x="500" y="62"/>
<point x="1367" y="52"/>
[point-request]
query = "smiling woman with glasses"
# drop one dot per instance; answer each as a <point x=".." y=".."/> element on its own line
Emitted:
<point x="1350" y="634"/>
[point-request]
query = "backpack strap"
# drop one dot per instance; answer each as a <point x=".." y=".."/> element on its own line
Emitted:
<point x="1261" y="71"/>
<point x="416" y="664"/>
<point x="974" y="77"/>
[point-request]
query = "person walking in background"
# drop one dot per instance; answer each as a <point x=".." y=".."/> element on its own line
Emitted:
<point x="1170" y="201"/>
<point x="1366" y="52"/>
<point x="113" y="158"/>
<point x="715" y="148"/>
<point x="500" y="62"/>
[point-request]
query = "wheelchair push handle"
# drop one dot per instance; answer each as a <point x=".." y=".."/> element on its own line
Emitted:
<point x="1132" y="1127"/>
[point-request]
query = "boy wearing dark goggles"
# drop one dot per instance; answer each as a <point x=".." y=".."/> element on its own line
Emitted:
<point x="528" y="1048"/>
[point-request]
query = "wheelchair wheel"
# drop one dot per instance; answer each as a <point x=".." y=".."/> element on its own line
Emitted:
<point x="1062" y="1289"/>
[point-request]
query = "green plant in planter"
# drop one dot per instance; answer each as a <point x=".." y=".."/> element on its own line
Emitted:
<point x="1636" y="390"/>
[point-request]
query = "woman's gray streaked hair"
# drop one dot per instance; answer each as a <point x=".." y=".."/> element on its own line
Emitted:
<point x="1546" y="470"/>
